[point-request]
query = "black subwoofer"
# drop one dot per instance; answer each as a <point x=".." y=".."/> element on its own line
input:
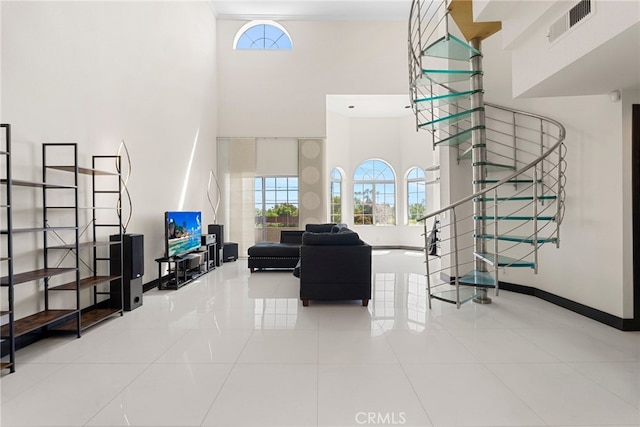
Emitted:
<point x="230" y="252"/>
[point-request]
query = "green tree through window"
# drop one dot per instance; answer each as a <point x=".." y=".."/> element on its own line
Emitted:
<point x="276" y="205"/>
<point x="374" y="195"/>
<point x="416" y="195"/>
<point x="336" y="196"/>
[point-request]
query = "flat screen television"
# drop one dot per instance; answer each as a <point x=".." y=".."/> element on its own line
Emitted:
<point x="182" y="232"/>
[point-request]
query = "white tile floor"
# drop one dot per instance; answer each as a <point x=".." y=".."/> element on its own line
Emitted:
<point x="238" y="349"/>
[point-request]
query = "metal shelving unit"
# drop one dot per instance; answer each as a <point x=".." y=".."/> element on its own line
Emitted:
<point x="6" y="257"/>
<point x="103" y="304"/>
<point x="42" y="320"/>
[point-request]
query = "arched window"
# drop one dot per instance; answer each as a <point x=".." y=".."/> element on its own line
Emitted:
<point x="416" y="195"/>
<point x="374" y="194"/>
<point x="336" y="196"/>
<point x="262" y="35"/>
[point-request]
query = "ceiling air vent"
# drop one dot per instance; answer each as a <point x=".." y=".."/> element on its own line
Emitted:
<point x="576" y="14"/>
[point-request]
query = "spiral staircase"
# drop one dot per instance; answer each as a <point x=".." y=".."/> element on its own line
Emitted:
<point x="517" y="159"/>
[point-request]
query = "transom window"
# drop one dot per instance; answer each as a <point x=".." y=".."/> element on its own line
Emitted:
<point x="336" y="196"/>
<point x="262" y="35"/>
<point x="416" y="195"/>
<point x="374" y="194"/>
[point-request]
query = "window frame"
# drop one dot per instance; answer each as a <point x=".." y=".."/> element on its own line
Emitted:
<point x="261" y="22"/>
<point x="261" y="187"/>
<point x="335" y="209"/>
<point x="415" y="181"/>
<point x="372" y="183"/>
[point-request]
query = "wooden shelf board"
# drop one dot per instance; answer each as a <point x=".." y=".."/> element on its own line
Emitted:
<point x="23" y="183"/>
<point x="5" y="365"/>
<point x="87" y="282"/>
<point x="84" y="171"/>
<point x="36" y="229"/>
<point x="36" y="321"/>
<point x="98" y="208"/>
<point x="86" y="245"/>
<point x="88" y="318"/>
<point x="29" y="276"/>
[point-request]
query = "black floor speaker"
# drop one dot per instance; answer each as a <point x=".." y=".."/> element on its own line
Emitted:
<point x="132" y="270"/>
<point x="218" y="230"/>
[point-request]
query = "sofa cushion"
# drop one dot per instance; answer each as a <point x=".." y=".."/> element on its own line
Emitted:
<point x="291" y="236"/>
<point x="319" y="228"/>
<point x="342" y="238"/>
<point x="272" y="249"/>
<point x="339" y="227"/>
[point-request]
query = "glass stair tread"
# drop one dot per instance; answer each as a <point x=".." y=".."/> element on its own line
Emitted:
<point x="519" y="239"/>
<point x="451" y="47"/>
<point x="513" y="199"/>
<point x="504" y="261"/>
<point x="491" y="166"/>
<point x="515" y="218"/>
<point x="478" y="278"/>
<point x="442" y="100"/>
<point x="451" y="296"/>
<point x="458" y="138"/>
<point x="443" y="76"/>
<point x="447" y="120"/>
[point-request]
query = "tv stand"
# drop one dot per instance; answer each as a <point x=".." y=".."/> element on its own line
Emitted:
<point x="180" y="270"/>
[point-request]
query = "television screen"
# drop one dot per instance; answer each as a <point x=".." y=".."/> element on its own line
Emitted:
<point x="182" y="231"/>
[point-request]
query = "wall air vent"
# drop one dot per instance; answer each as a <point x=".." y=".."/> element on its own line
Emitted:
<point x="579" y="11"/>
<point x="575" y="15"/>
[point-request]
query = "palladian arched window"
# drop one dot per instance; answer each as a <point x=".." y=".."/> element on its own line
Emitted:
<point x="374" y="194"/>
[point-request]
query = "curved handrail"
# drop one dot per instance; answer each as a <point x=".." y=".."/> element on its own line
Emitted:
<point x="520" y="171"/>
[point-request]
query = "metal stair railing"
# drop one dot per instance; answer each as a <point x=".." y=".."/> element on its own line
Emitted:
<point x="425" y="18"/>
<point x="524" y="210"/>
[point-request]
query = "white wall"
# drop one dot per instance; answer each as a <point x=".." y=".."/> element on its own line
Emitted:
<point x="588" y="267"/>
<point x="628" y="98"/>
<point x="99" y="72"/>
<point x="577" y="61"/>
<point x="536" y="62"/>
<point x="283" y="93"/>
<point x="350" y="141"/>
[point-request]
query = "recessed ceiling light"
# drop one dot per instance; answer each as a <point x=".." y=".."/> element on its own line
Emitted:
<point x="352" y="106"/>
<point x="407" y="106"/>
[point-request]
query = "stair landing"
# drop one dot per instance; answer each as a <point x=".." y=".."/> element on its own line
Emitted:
<point x="462" y="14"/>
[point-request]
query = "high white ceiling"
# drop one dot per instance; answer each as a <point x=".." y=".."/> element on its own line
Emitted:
<point x="334" y="10"/>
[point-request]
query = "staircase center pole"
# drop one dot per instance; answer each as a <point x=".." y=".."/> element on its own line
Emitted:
<point x="479" y="160"/>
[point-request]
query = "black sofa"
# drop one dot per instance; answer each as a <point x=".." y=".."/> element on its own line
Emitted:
<point x="334" y="265"/>
<point x="284" y="255"/>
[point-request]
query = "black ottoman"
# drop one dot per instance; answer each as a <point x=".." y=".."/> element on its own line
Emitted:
<point x="273" y="255"/>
